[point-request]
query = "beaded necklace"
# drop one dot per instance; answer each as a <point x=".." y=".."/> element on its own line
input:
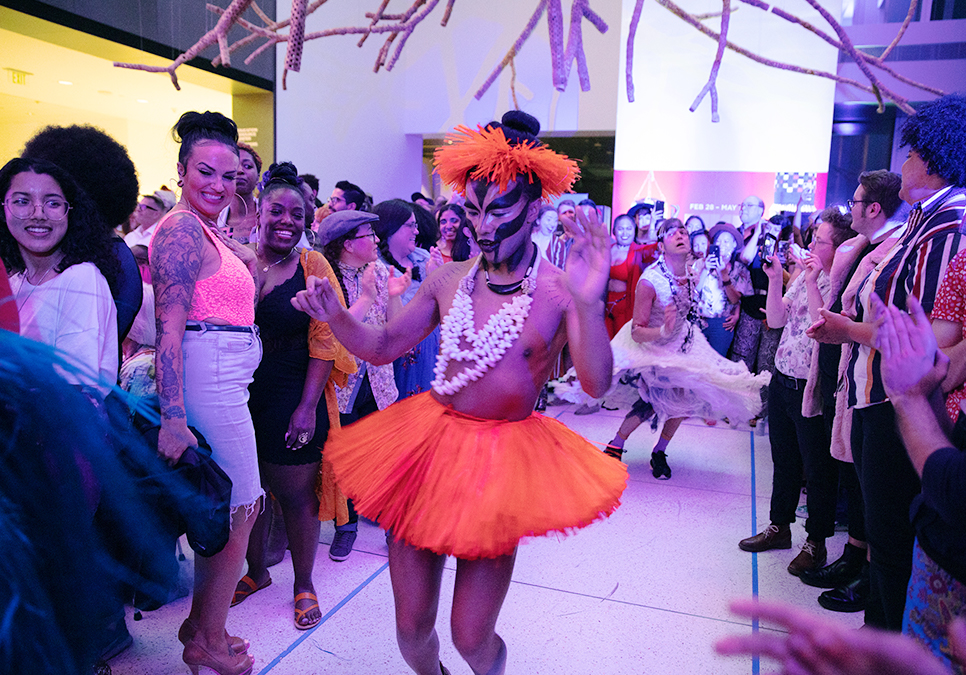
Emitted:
<point x="685" y="305"/>
<point x="486" y="346"/>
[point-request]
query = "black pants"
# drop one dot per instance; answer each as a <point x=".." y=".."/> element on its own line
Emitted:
<point x="800" y="443"/>
<point x="889" y="484"/>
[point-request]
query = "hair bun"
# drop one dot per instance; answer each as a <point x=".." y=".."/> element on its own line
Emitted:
<point x="283" y="172"/>
<point x="521" y="121"/>
<point x="208" y="124"/>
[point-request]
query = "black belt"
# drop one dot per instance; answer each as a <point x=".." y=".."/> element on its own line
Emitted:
<point x="789" y="382"/>
<point x="204" y="327"/>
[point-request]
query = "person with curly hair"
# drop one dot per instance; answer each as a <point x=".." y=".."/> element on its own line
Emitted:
<point x="207" y="351"/>
<point x="293" y="401"/>
<point x="102" y="168"/>
<point x="54" y="249"/>
<point x="934" y="184"/>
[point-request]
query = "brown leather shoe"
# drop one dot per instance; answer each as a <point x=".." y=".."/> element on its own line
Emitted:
<point x="773" y="537"/>
<point x="812" y="557"/>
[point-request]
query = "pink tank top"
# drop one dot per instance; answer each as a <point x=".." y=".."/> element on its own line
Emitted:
<point x="229" y="293"/>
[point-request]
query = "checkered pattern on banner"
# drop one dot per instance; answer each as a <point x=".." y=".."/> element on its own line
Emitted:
<point x="790" y="184"/>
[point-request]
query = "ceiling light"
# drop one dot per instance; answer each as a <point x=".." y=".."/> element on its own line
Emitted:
<point x="142" y="100"/>
<point x="65" y="82"/>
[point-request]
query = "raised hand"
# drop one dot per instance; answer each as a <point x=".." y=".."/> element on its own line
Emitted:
<point x="813" y="266"/>
<point x="588" y="263"/>
<point x="773" y="268"/>
<point x="398" y="285"/>
<point x="319" y="300"/>
<point x="435" y="260"/>
<point x="911" y="362"/>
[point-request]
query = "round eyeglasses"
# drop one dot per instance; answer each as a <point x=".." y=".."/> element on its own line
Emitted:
<point x="23" y="208"/>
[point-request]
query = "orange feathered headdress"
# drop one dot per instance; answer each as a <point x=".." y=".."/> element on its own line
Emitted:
<point x="487" y="154"/>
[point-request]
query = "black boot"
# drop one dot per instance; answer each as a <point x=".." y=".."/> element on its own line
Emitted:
<point x="841" y="572"/>
<point x="659" y="467"/>
<point x="851" y="597"/>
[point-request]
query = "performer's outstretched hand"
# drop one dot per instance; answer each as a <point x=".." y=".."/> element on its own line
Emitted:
<point x="319" y="300"/>
<point x="815" y="644"/>
<point x="588" y="263"/>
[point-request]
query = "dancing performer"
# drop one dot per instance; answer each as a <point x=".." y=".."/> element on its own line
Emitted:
<point x="662" y="361"/>
<point x="468" y="469"/>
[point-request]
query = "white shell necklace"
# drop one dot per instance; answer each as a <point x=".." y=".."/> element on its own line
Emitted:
<point x="486" y="346"/>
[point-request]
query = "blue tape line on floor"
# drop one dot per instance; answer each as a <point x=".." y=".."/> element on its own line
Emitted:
<point x="328" y="615"/>
<point x="755" y="660"/>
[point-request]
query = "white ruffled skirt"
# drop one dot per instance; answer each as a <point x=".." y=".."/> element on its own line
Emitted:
<point x="697" y="382"/>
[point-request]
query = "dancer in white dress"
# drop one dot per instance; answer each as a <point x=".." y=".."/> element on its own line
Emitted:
<point x="664" y="365"/>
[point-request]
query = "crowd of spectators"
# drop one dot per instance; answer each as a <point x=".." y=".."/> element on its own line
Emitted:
<point x="866" y="397"/>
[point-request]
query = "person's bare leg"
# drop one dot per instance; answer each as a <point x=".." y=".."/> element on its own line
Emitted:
<point x="640" y="412"/>
<point x="481" y="587"/>
<point x="415" y="574"/>
<point x="258" y="539"/>
<point x="667" y="432"/>
<point x="294" y="487"/>
<point x="215" y="580"/>
<point x="629" y="425"/>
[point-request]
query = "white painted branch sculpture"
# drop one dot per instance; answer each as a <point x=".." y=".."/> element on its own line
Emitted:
<point x="562" y="55"/>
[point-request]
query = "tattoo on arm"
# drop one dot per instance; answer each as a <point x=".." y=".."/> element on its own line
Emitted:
<point x="441" y="280"/>
<point x="175" y="267"/>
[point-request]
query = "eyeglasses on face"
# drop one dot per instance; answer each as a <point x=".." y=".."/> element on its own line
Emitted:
<point x="365" y="236"/>
<point x="852" y="202"/>
<point x="23" y="208"/>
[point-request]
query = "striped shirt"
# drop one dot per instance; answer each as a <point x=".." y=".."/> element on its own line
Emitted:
<point x="915" y="266"/>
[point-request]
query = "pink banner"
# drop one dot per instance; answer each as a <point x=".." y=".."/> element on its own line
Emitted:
<point x="716" y="195"/>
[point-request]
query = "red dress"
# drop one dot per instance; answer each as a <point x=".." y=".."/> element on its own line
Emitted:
<point x="620" y="304"/>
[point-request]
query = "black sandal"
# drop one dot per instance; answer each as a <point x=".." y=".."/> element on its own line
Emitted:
<point x="614" y="451"/>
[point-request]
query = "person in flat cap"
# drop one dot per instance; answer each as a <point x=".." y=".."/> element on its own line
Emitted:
<point x="350" y="245"/>
<point x="468" y="469"/>
<point x="147" y="215"/>
<point x="341" y="223"/>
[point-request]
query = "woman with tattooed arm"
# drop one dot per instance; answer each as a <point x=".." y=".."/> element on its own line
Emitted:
<point x="207" y="350"/>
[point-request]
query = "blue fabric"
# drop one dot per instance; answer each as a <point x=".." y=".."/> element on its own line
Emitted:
<point x="933" y="599"/>
<point x="718" y="336"/>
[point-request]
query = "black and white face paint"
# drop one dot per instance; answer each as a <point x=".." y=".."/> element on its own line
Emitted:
<point x="497" y="219"/>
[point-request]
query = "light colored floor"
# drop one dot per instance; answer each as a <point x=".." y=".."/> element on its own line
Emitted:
<point x="644" y="591"/>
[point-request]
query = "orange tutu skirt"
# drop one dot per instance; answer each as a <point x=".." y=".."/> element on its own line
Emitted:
<point x="470" y="487"/>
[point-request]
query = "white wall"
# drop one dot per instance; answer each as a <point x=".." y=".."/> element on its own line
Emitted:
<point x="339" y="120"/>
<point x="771" y="120"/>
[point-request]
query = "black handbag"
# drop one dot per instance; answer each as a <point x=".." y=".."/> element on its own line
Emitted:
<point x="194" y="496"/>
<point x="203" y="510"/>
